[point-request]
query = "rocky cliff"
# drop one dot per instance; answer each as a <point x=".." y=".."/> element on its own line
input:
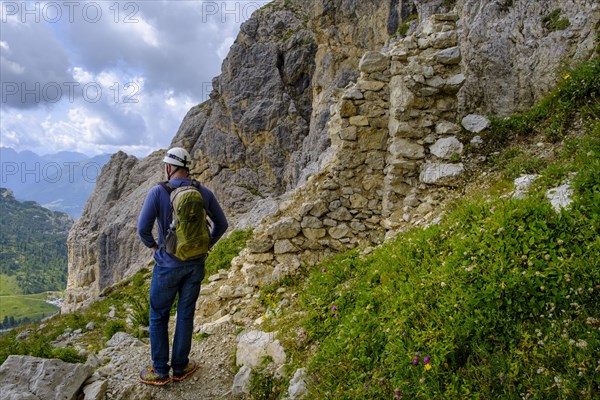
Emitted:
<point x="377" y="139"/>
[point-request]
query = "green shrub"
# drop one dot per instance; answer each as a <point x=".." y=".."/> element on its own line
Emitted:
<point x="68" y="354"/>
<point x="225" y="250"/>
<point x="113" y="327"/>
<point x="514" y="163"/>
<point x="405" y="26"/>
<point x="553" y="22"/>
<point x="264" y="386"/>
<point x="140" y="306"/>
<point x="141" y="277"/>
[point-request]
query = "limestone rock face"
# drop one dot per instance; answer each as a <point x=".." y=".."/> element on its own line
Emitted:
<point x="103" y="245"/>
<point x="264" y="128"/>
<point x="254" y="345"/>
<point x="511" y="59"/>
<point x="32" y="378"/>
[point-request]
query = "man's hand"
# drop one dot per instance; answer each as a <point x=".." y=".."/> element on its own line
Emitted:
<point x="154" y="248"/>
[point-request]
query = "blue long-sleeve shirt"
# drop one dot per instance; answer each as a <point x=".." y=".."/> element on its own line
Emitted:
<point x="157" y="207"/>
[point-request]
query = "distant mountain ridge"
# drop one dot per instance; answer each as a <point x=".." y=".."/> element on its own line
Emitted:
<point x="60" y="181"/>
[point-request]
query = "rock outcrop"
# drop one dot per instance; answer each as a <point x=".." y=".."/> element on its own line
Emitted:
<point x="103" y="245"/>
<point x="513" y="50"/>
<point x="282" y="124"/>
<point x="32" y="378"/>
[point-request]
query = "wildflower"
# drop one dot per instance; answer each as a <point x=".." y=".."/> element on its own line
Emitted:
<point x="540" y="370"/>
<point x="582" y="344"/>
<point x="427" y="367"/>
<point x="567" y="76"/>
<point x="335" y="315"/>
<point x="416" y="361"/>
<point x="422" y="380"/>
<point x="323" y="270"/>
<point x="398" y="394"/>
<point x="443" y="284"/>
<point x="333" y="308"/>
<point x="426" y="360"/>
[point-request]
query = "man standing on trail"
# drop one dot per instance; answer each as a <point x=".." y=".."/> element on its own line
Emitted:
<point x="180" y="206"/>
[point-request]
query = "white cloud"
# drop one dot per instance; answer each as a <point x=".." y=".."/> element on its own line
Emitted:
<point x="224" y="47"/>
<point x="140" y="30"/>
<point x="81" y="75"/>
<point x="150" y="72"/>
<point x="11" y="66"/>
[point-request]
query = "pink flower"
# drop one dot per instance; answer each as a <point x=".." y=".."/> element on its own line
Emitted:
<point x="416" y="361"/>
<point x="323" y="270"/>
<point x="426" y="360"/>
<point x="333" y="308"/>
<point x="398" y="394"/>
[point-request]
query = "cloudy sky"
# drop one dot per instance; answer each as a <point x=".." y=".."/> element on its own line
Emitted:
<point x="101" y="76"/>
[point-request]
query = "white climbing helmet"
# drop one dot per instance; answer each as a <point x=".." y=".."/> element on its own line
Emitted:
<point x="178" y="157"/>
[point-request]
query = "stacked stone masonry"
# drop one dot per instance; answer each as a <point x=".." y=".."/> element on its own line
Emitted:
<point x="393" y="133"/>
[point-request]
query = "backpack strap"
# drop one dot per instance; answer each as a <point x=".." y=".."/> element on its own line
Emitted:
<point x="167" y="186"/>
<point x="196" y="184"/>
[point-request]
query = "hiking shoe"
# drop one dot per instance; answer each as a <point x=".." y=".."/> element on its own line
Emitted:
<point x="151" y="377"/>
<point x="187" y="371"/>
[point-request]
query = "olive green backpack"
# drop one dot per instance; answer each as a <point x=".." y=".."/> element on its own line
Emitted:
<point x="187" y="237"/>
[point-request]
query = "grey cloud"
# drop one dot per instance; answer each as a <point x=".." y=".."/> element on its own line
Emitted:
<point x="183" y="64"/>
<point x="33" y="63"/>
<point x="186" y="59"/>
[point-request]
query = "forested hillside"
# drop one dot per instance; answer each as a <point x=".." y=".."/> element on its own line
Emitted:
<point x="33" y="249"/>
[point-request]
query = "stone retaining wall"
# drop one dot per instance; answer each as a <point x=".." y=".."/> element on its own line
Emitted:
<point x="394" y="145"/>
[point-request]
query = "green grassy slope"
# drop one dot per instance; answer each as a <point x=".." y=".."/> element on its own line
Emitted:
<point x="33" y="245"/>
<point x="498" y="301"/>
<point x="33" y="307"/>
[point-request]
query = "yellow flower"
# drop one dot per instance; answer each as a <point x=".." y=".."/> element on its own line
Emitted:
<point x="427" y="367"/>
<point x="566" y="77"/>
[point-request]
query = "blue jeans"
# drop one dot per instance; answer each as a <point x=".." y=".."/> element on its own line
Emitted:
<point x="166" y="283"/>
